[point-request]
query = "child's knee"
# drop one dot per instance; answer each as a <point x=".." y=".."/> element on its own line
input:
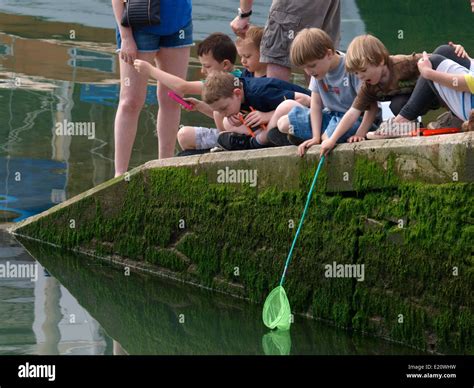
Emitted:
<point x="187" y="138"/>
<point x="283" y="124"/>
<point x="436" y="59"/>
<point x="287" y="105"/>
<point x="445" y="50"/>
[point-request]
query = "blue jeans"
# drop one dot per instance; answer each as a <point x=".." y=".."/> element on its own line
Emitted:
<point x="300" y="121"/>
<point x="149" y="42"/>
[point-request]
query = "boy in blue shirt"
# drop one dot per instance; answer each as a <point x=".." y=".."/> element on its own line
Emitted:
<point x="228" y="96"/>
<point x="333" y="92"/>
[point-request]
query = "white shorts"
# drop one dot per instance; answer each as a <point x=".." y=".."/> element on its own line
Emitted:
<point x="206" y="138"/>
<point x="460" y="103"/>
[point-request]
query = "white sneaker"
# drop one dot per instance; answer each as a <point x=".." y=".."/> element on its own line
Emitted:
<point x="389" y="130"/>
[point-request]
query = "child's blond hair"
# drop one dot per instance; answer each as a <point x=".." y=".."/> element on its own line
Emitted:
<point x="365" y="50"/>
<point x="253" y="35"/>
<point x="219" y="84"/>
<point x="310" y="44"/>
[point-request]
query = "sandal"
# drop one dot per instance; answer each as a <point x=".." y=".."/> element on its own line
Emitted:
<point x="468" y="126"/>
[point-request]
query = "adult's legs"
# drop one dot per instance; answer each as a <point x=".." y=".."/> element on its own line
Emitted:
<point x="132" y="97"/>
<point x="332" y="21"/>
<point x="174" y="61"/>
<point x="278" y="71"/>
<point x="278" y="35"/>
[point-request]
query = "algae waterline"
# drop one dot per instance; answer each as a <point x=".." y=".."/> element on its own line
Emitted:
<point x="404" y="209"/>
<point x="150" y="315"/>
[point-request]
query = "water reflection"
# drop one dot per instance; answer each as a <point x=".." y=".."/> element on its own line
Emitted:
<point x="42" y="317"/>
<point x="76" y="84"/>
<point x="30" y="186"/>
<point x="146" y="315"/>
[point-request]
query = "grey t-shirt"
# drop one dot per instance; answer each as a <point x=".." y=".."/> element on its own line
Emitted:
<point x="337" y="89"/>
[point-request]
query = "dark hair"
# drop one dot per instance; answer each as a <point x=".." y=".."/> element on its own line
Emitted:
<point x="220" y="46"/>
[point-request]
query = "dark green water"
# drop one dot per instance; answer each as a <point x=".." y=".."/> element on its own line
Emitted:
<point x="46" y="78"/>
<point x="146" y="315"/>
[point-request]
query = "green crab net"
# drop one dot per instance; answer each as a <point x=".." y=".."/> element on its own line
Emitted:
<point x="276" y="310"/>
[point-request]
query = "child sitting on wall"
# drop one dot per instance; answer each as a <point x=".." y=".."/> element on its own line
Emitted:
<point x="388" y="77"/>
<point x="228" y="96"/>
<point x="453" y="83"/>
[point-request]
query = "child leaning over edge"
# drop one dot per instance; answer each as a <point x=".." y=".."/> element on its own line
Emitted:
<point x="333" y="91"/>
<point x="228" y="96"/>
<point x="215" y="53"/>
<point x="454" y="84"/>
<point x="387" y="78"/>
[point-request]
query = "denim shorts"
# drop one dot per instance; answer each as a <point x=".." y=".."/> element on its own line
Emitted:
<point x="151" y="42"/>
<point x="300" y="120"/>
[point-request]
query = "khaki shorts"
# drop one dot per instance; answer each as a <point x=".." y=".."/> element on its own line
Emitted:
<point x="288" y="17"/>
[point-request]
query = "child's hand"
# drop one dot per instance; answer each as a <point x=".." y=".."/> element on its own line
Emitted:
<point x="194" y="102"/>
<point x="240" y="26"/>
<point x="327" y="145"/>
<point x="459" y="50"/>
<point x="235" y="120"/>
<point x="306" y="100"/>
<point x="355" y="139"/>
<point x="256" y="118"/>
<point x="128" y="51"/>
<point x="306" y="145"/>
<point x="424" y="64"/>
<point x="143" y="67"/>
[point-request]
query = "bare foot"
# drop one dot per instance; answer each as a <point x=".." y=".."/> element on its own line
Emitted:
<point x="468" y="126"/>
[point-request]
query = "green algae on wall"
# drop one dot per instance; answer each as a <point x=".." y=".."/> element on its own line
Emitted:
<point x="414" y="239"/>
<point x="150" y="317"/>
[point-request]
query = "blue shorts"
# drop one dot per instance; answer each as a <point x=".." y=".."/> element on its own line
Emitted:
<point x="300" y="120"/>
<point x="151" y="42"/>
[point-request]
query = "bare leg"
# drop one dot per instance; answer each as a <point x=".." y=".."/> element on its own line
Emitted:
<point x="277" y="71"/>
<point x="174" y="61"/>
<point x="284" y="124"/>
<point x="282" y="110"/>
<point x="187" y="138"/>
<point x="132" y="97"/>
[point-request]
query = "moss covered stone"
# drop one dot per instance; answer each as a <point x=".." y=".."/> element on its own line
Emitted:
<point x="411" y="228"/>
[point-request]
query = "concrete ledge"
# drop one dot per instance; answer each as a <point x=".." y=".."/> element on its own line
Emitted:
<point x="432" y="159"/>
